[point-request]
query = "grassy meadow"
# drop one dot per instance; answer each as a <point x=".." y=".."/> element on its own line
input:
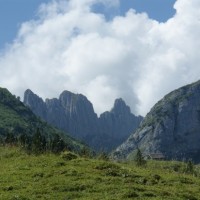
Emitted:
<point x="68" y="176"/>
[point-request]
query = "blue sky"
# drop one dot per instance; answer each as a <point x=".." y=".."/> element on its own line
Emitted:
<point x="12" y="14"/>
<point x="15" y="12"/>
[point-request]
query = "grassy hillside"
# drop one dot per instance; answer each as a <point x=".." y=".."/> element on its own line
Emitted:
<point x="17" y="119"/>
<point x="49" y="176"/>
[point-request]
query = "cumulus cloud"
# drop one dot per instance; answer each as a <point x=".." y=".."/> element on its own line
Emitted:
<point x="70" y="47"/>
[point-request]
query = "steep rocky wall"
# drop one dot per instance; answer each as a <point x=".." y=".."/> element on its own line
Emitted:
<point x="74" y="114"/>
<point x="172" y="127"/>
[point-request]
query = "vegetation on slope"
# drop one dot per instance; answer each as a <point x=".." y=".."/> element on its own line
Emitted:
<point x="69" y="176"/>
<point x="16" y="120"/>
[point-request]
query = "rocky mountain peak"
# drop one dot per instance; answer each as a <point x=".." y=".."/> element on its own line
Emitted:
<point x="120" y="107"/>
<point x="20" y="122"/>
<point x="76" y="103"/>
<point x="67" y="98"/>
<point x="30" y="98"/>
<point x="35" y="103"/>
<point x="74" y="113"/>
<point x="172" y="127"/>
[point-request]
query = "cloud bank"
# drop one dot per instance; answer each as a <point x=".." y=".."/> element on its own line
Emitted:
<point x="69" y="47"/>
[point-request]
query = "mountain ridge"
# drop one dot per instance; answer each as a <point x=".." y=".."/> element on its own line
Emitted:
<point x="74" y="113"/>
<point x="172" y="127"/>
<point x="17" y="119"/>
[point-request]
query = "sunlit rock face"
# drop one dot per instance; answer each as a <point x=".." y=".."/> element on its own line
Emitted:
<point x="171" y="128"/>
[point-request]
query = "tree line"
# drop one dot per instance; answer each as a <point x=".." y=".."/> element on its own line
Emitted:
<point x="36" y="143"/>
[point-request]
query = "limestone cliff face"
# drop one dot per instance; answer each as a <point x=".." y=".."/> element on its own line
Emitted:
<point x="172" y="127"/>
<point x="35" y="103"/>
<point x="119" y="122"/>
<point x="19" y="121"/>
<point x="74" y="114"/>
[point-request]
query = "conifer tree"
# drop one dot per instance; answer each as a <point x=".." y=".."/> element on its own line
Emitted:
<point x="10" y="139"/>
<point x="23" y="140"/>
<point x="139" y="159"/>
<point x="58" y="144"/>
<point x="190" y="168"/>
<point x="37" y="143"/>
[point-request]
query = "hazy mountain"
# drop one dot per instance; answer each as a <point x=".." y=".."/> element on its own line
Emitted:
<point x="16" y="119"/>
<point x="171" y="128"/>
<point x="74" y="113"/>
<point x="119" y="123"/>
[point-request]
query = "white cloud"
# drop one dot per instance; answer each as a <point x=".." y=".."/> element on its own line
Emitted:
<point x="72" y="48"/>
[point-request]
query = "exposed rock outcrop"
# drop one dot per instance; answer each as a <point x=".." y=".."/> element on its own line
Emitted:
<point x="171" y="128"/>
<point x="36" y="103"/>
<point x="18" y="122"/>
<point x="119" y="122"/>
<point x="74" y="114"/>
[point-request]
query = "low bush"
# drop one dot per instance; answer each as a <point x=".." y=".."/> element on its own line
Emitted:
<point x="68" y="156"/>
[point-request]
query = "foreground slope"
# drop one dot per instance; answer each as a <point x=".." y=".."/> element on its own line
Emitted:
<point x="74" y="113"/>
<point x="171" y="128"/>
<point x="28" y="177"/>
<point x="16" y="119"/>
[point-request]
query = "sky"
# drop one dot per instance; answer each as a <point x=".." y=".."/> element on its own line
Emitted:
<point x="138" y="50"/>
<point x="14" y="12"/>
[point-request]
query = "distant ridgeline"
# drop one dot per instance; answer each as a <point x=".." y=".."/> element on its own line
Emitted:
<point x="19" y="125"/>
<point x="171" y="129"/>
<point x="74" y="114"/>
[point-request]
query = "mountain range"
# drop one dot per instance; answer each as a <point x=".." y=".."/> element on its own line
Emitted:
<point x="74" y="114"/>
<point x="16" y="119"/>
<point x="170" y="129"/>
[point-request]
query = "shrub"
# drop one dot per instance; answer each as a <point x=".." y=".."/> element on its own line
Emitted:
<point x="131" y="194"/>
<point x="103" y="156"/>
<point x="190" y="168"/>
<point x="68" y="155"/>
<point x="107" y="165"/>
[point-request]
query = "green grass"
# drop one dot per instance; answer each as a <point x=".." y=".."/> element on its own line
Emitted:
<point x="67" y="176"/>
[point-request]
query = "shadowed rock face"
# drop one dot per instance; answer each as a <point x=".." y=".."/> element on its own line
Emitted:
<point x="172" y="127"/>
<point x="36" y="103"/>
<point x="119" y="122"/>
<point x="18" y="121"/>
<point x="74" y="114"/>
